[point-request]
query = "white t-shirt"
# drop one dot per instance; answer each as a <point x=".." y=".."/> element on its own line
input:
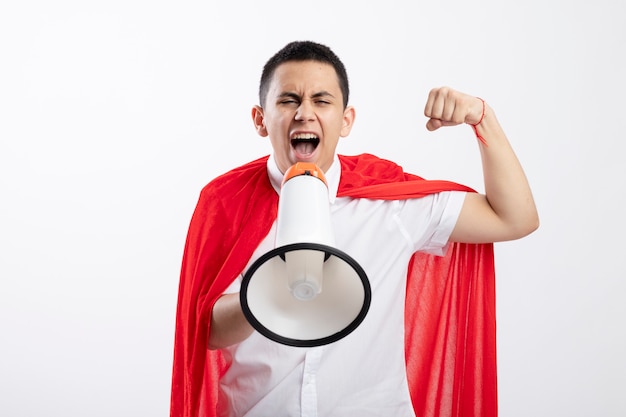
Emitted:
<point x="363" y="374"/>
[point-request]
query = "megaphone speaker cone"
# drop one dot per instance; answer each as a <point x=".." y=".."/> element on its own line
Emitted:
<point x="305" y="294"/>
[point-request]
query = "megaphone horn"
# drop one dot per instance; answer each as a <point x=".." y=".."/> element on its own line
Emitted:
<point x="305" y="292"/>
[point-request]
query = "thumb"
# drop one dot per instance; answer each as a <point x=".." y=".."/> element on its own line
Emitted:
<point x="433" y="124"/>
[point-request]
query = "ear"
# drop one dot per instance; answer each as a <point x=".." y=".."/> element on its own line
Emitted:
<point x="258" y="119"/>
<point x="349" y="115"/>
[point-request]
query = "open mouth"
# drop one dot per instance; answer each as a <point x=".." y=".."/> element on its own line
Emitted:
<point x="305" y="143"/>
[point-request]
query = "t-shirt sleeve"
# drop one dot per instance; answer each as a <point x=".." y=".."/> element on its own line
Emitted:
<point x="429" y="221"/>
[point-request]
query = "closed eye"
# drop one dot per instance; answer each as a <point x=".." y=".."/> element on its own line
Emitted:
<point x="288" y="98"/>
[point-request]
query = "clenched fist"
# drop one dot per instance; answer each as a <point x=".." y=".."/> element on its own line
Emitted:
<point x="448" y="107"/>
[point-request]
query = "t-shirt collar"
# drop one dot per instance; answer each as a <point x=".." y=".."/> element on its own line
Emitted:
<point x="333" y="175"/>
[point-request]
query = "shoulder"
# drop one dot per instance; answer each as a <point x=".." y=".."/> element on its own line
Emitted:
<point x="238" y="191"/>
<point x="366" y="161"/>
<point x="367" y="169"/>
<point x="239" y="178"/>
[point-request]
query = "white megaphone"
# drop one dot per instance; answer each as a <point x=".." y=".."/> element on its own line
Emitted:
<point x="305" y="292"/>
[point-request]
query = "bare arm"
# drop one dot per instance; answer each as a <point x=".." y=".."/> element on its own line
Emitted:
<point x="228" y="323"/>
<point x="507" y="210"/>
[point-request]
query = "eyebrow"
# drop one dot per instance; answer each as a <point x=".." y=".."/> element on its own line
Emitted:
<point x="322" y="93"/>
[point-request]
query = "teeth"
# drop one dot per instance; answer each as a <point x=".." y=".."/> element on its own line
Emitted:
<point x="304" y="136"/>
<point x="304" y="143"/>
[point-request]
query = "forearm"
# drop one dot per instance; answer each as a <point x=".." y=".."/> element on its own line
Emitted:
<point x="228" y="323"/>
<point x="506" y="187"/>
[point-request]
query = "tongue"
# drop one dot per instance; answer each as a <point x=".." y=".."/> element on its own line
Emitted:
<point x="304" y="148"/>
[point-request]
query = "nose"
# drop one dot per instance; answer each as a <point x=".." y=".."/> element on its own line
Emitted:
<point x="305" y="111"/>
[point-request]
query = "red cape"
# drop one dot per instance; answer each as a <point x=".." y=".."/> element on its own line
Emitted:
<point x="450" y="337"/>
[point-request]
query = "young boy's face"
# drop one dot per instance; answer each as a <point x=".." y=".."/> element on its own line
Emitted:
<point x="303" y="114"/>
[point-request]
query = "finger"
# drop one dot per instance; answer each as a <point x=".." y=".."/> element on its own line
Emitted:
<point x="433" y="124"/>
<point x="438" y="105"/>
<point x="428" y="108"/>
<point x="450" y="110"/>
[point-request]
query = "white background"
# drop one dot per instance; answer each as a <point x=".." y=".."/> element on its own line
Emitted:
<point x="114" y="114"/>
